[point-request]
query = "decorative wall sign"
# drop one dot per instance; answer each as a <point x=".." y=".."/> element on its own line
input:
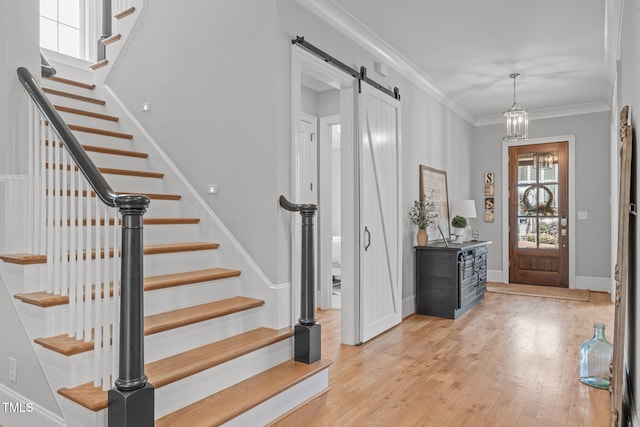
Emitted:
<point x="489" y="197"/>
<point x="436" y="180"/>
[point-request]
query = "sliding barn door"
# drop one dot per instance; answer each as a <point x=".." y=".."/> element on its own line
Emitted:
<point x="380" y="290"/>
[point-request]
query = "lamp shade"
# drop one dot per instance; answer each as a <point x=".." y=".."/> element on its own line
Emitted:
<point x="465" y="208"/>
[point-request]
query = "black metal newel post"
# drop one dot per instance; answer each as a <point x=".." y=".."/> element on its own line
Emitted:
<point x="106" y="29"/>
<point x="307" y="332"/>
<point x="131" y="400"/>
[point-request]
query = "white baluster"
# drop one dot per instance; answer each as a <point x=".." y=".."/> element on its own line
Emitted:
<point x="30" y="247"/>
<point x="73" y="256"/>
<point x="88" y="312"/>
<point x="57" y="237"/>
<point x="106" y="313"/>
<point x="50" y="203"/>
<point x="100" y="294"/>
<point x="80" y="227"/>
<point x="43" y="189"/>
<point x="64" y="224"/>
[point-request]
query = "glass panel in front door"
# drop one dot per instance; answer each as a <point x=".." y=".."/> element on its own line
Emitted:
<point x="538" y="200"/>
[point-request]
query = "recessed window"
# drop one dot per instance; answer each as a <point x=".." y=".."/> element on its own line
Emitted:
<point x="61" y="26"/>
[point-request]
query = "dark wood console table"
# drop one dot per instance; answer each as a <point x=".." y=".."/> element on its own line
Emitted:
<point x="450" y="280"/>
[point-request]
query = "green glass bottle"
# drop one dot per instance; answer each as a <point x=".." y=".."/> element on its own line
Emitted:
<point x="595" y="358"/>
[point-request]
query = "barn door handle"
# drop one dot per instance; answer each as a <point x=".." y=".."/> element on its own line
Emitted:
<point x="368" y="234"/>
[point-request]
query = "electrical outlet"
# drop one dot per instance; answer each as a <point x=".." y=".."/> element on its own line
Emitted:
<point x="13" y="370"/>
<point x="583" y="215"/>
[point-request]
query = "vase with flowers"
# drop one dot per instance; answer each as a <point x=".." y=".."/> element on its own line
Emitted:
<point x="423" y="214"/>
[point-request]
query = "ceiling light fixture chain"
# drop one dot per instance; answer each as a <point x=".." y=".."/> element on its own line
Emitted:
<point x="517" y="118"/>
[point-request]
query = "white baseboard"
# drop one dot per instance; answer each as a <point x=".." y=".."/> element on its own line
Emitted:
<point x="408" y="306"/>
<point x="494" y="275"/>
<point x="17" y="410"/>
<point x="598" y="284"/>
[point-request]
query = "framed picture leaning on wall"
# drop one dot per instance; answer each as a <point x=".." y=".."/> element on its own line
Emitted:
<point x="434" y="180"/>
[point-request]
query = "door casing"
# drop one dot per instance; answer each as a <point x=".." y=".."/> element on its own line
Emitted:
<point x="572" y="198"/>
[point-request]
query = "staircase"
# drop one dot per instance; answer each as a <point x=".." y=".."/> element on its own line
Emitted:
<point x="210" y="352"/>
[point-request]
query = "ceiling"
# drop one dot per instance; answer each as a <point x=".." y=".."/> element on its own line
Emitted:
<point x="466" y="49"/>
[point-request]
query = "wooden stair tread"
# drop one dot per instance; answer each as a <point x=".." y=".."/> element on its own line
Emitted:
<point x="112" y="171"/>
<point x="199" y="313"/>
<point x="99" y="64"/>
<point x="24" y="259"/>
<point x="73" y="96"/>
<point x="65" y="345"/>
<point x="227" y="404"/>
<point x="71" y="82"/>
<point x="115" y="151"/>
<point x="146" y="221"/>
<point x="174" y="368"/>
<point x="69" y="346"/>
<point x="179" y="279"/>
<point x="124" y="13"/>
<point x="45" y="299"/>
<point x="112" y="39"/>
<point x="102" y="132"/>
<point x="152" y="196"/>
<point x="86" y="113"/>
<point x="126" y="172"/>
<point x="164" y="248"/>
<point x="179" y="247"/>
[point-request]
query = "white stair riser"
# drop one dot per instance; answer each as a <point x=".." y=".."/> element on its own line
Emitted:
<point x="44" y="322"/>
<point x="283" y="402"/>
<point x="78" y="416"/>
<point x="163" y="300"/>
<point x="165" y="344"/>
<point x="121" y="183"/>
<point x="105" y="141"/>
<point x="24" y="278"/>
<point x="75" y="103"/>
<point x="163" y="208"/>
<point x="189" y="390"/>
<point x="88" y="121"/>
<point x="157" y="234"/>
<point x="179" y="262"/>
<point x="66" y="371"/>
<point x="119" y="162"/>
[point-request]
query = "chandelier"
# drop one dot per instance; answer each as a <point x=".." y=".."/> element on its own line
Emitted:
<point x="517" y="120"/>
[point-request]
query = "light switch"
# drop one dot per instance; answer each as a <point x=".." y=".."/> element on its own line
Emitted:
<point x="212" y="188"/>
<point x="146" y="106"/>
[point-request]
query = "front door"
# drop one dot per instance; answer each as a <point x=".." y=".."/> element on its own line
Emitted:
<point x="538" y="214"/>
<point x="380" y="291"/>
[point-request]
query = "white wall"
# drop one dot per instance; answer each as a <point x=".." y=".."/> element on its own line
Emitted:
<point x="431" y="133"/>
<point x="208" y="71"/>
<point x="19" y="46"/>
<point x="592" y="132"/>
<point x="221" y="106"/>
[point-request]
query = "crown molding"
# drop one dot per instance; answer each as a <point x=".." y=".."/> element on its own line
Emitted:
<point x="549" y="113"/>
<point x="336" y="16"/>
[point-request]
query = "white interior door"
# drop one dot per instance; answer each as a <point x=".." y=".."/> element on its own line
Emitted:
<point x="380" y="289"/>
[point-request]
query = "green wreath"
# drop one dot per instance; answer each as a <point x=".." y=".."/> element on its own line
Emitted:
<point x="544" y="208"/>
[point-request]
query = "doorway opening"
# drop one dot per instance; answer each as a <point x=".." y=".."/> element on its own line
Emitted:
<point x="538" y="211"/>
<point x="323" y="102"/>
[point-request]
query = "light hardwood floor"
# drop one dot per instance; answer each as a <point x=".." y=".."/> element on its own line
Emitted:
<point x="510" y="361"/>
